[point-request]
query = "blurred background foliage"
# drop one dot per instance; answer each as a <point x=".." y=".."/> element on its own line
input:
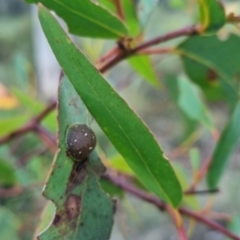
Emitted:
<point x="183" y="133"/>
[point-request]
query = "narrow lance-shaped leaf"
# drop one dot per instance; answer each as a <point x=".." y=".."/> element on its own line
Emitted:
<point x="131" y="19"/>
<point x="86" y="18"/>
<point x="143" y="66"/>
<point x="212" y="15"/>
<point x="83" y="210"/>
<point x="229" y="139"/>
<point x="122" y="126"/>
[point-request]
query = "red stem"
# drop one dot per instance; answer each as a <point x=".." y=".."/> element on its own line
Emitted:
<point x="177" y="219"/>
<point x="155" y="51"/>
<point x="187" y="31"/>
<point x="46" y="137"/>
<point x="30" y="126"/>
<point x="121" y="182"/>
<point x="108" y="55"/>
<point x="200" y="175"/>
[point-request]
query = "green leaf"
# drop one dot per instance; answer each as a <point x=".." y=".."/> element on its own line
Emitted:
<point x="85" y="18"/>
<point x="7" y="174"/>
<point x="190" y="103"/>
<point x="212" y="15"/>
<point x="83" y="210"/>
<point x="122" y="126"/>
<point x="143" y="66"/>
<point x="228" y="141"/>
<point x="213" y="64"/>
<point x="109" y="5"/>
<point x="131" y="19"/>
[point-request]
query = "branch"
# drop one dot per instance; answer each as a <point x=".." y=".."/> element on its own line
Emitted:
<point x="30" y="126"/>
<point x="187" y="31"/>
<point x="108" y="55"/>
<point x="201" y="173"/>
<point x="156" y="51"/>
<point x="232" y="18"/>
<point x="46" y="137"/>
<point x="124" y="53"/>
<point x="121" y="182"/>
<point x="177" y="219"/>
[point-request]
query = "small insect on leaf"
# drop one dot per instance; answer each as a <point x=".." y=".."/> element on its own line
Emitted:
<point x="80" y="141"/>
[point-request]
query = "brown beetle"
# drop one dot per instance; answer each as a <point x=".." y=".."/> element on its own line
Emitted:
<point x="80" y="141"/>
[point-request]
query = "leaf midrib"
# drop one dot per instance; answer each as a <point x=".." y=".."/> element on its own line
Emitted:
<point x="122" y="129"/>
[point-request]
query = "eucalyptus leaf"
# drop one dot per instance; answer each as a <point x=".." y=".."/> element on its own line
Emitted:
<point x="85" y="18"/>
<point x="130" y="15"/>
<point x="213" y="64"/>
<point x="83" y="210"/>
<point x="228" y="141"/>
<point x="143" y="66"/>
<point x="123" y="127"/>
